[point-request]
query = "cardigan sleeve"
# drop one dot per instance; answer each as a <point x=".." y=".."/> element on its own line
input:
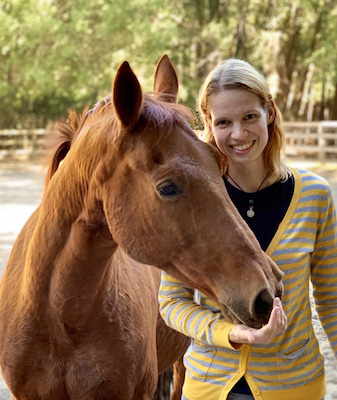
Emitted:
<point x="324" y="269"/>
<point x="182" y="313"/>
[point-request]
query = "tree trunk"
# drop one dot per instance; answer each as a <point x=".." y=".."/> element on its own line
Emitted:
<point x="333" y="108"/>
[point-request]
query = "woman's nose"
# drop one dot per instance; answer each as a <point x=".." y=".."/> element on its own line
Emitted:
<point x="238" y="132"/>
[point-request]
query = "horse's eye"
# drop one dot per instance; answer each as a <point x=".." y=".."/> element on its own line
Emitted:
<point x="169" y="190"/>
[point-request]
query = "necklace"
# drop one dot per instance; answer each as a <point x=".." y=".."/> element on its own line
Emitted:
<point x="250" y="211"/>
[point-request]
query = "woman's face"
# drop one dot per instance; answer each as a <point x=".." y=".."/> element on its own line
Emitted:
<point x="239" y="124"/>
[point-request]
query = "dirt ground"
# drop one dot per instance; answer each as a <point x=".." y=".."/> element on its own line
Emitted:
<point x="21" y="187"/>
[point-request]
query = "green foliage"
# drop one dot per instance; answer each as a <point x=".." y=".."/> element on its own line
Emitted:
<point x="58" y="54"/>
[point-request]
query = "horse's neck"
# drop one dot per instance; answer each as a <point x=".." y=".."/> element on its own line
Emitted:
<point x="67" y="253"/>
<point x="79" y="272"/>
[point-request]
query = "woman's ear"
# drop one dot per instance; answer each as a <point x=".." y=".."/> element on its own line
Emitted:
<point x="271" y="113"/>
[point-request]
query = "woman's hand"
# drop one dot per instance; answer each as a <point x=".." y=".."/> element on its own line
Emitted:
<point x="277" y="324"/>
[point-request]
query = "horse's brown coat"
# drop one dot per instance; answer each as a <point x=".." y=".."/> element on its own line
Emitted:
<point x="78" y="298"/>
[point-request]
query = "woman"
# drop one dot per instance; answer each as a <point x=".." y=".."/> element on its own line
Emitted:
<point x="293" y="217"/>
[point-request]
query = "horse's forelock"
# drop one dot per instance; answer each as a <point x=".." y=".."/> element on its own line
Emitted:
<point x="158" y="111"/>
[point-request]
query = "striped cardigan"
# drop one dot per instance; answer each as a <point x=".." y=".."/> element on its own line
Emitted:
<point x="291" y="366"/>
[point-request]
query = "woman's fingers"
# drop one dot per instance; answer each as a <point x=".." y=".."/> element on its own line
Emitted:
<point x="277" y="324"/>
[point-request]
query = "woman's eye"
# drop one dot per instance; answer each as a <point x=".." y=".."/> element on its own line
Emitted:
<point x="222" y="122"/>
<point x="169" y="190"/>
<point x="250" y="116"/>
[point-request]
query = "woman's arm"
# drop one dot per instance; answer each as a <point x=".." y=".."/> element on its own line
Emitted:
<point x="324" y="269"/>
<point x="180" y="312"/>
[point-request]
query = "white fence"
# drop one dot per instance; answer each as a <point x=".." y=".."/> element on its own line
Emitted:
<point x="26" y="141"/>
<point x="317" y="139"/>
<point x="311" y="139"/>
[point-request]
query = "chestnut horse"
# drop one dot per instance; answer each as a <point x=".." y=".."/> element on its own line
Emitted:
<point x="137" y="190"/>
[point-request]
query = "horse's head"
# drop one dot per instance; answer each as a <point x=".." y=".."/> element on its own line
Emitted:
<point x="163" y="199"/>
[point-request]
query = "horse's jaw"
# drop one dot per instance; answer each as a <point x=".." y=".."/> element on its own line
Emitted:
<point x="231" y="316"/>
<point x="254" y="314"/>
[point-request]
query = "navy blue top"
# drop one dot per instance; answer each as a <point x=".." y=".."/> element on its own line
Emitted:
<point x="270" y="206"/>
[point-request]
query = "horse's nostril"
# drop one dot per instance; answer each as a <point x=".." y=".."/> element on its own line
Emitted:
<point x="263" y="304"/>
<point x="279" y="294"/>
<point x="279" y="291"/>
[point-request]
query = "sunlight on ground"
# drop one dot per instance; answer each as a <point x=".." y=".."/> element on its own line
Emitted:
<point x="313" y="165"/>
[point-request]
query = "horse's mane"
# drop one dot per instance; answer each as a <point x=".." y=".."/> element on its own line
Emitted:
<point x="61" y="139"/>
<point x="156" y="110"/>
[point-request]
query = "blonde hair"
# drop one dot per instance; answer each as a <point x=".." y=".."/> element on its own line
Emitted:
<point x="238" y="74"/>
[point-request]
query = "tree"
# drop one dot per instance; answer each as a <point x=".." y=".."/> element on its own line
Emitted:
<point x="57" y="55"/>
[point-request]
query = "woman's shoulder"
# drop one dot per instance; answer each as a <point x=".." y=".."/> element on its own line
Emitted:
<point x="308" y="177"/>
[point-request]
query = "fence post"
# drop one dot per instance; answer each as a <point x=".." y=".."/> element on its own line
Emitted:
<point x="25" y="140"/>
<point x="320" y="142"/>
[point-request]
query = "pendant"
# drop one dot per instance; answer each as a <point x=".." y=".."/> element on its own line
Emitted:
<point x="250" y="212"/>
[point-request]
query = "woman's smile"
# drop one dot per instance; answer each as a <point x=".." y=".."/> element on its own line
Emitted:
<point x="243" y="147"/>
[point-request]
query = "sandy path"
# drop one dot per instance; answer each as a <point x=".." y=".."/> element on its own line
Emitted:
<point x="21" y="186"/>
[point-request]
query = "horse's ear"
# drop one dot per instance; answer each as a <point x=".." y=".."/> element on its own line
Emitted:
<point x="166" y="80"/>
<point x="58" y="157"/>
<point x="127" y="95"/>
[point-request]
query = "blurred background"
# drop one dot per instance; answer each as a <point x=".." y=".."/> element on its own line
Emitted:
<point x="57" y="55"/>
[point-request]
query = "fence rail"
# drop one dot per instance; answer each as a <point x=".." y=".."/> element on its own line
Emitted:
<point x="302" y="139"/>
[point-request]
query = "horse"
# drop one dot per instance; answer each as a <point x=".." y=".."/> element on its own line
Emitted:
<point x="136" y="193"/>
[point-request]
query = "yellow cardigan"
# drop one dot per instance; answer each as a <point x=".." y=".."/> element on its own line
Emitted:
<point x="291" y="366"/>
